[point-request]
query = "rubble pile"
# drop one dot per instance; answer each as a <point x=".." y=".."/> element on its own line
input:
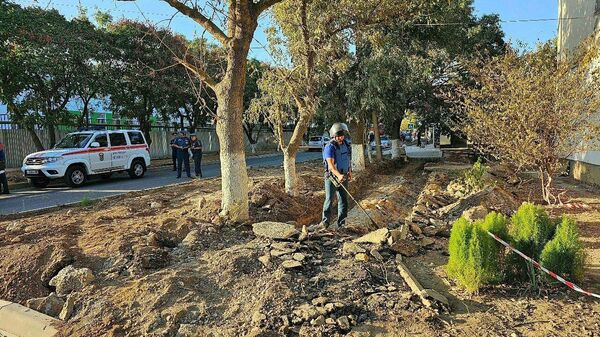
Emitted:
<point x="424" y="218"/>
<point x="443" y="200"/>
<point x="371" y="286"/>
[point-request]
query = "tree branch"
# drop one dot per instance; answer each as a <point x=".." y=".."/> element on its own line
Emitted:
<point x="263" y="5"/>
<point x="204" y="76"/>
<point x="205" y="22"/>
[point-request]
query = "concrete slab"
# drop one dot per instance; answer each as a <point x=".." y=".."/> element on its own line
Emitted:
<point x="429" y="297"/>
<point x="427" y="152"/>
<point x="19" y="321"/>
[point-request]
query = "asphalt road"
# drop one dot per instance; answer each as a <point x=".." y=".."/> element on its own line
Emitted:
<point x="56" y="194"/>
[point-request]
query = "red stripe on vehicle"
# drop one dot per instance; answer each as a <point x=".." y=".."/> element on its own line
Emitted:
<point x="103" y="149"/>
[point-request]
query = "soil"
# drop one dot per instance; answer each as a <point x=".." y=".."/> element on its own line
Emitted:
<point x="166" y="264"/>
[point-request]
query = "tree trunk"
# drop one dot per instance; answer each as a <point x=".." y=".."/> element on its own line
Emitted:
<point x="248" y="130"/>
<point x="52" y="134"/>
<point x="12" y="110"/>
<point x="289" y="170"/>
<point x="395" y="138"/>
<point x="36" y="140"/>
<point x="86" y="112"/>
<point x="375" y="121"/>
<point x="146" y="126"/>
<point x="357" y="132"/>
<point x="546" y="182"/>
<point x="230" y="98"/>
<point x="234" y="182"/>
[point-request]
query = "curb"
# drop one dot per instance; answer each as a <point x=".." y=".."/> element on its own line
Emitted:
<point x="51" y="208"/>
<point x="19" y="321"/>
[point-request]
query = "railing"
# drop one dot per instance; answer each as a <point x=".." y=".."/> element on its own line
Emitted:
<point x="19" y="143"/>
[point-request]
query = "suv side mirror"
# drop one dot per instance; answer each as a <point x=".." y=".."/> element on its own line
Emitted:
<point x="95" y="144"/>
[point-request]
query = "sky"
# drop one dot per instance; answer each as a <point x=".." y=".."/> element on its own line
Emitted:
<point x="159" y="12"/>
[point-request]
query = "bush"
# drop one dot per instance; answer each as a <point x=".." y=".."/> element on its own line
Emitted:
<point x="458" y="247"/>
<point x="474" y="176"/>
<point x="530" y="229"/>
<point x="496" y="223"/>
<point x="475" y="257"/>
<point x="564" y="254"/>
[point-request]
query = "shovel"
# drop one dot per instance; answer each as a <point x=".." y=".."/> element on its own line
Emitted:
<point x="339" y="184"/>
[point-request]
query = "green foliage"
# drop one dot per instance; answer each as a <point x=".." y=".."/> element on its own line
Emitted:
<point x="475" y="257"/>
<point x="497" y="224"/>
<point x="564" y="254"/>
<point x="473" y="177"/>
<point x="85" y="202"/>
<point x="530" y="229"/>
<point x="458" y="247"/>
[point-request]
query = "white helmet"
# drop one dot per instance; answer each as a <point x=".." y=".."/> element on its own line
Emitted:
<point x="336" y="128"/>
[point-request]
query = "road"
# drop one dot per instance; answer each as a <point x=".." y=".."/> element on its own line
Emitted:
<point x="30" y="199"/>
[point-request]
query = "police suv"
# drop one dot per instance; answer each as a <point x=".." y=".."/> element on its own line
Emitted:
<point x="86" y="153"/>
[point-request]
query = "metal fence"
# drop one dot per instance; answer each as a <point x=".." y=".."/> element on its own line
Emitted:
<point x="18" y="142"/>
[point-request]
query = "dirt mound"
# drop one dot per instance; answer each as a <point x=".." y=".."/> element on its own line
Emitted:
<point x="268" y="200"/>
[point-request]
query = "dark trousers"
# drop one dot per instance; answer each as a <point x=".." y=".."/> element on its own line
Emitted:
<point x="197" y="163"/>
<point x="4" y="183"/>
<point x="174" y="158"/>
<point x="183" y="157"/>
<point x="342" y="202"/>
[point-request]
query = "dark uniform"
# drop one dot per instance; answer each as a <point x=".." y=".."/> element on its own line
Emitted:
<point x="3" y="180"/>
<point x="183" y="157"/>
<point x="174" y="152"/>
<point x="197" y="156"/>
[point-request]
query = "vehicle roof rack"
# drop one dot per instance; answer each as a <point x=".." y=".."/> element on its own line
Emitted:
<point x="92" y="128"/>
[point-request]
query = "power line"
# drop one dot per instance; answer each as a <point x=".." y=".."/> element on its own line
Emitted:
<point x="507" y="21"/>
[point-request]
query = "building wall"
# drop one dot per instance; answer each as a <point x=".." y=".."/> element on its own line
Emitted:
<point x="584" y="22"/>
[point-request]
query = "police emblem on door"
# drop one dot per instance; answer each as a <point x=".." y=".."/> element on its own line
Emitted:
<point x="101" y="156"/>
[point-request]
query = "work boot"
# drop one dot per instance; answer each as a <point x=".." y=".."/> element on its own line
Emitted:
<point x="333" y="227"/>
<point x="321" y="226"/>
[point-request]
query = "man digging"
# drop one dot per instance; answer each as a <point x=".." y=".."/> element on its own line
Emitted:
<point x="337" y="158"/>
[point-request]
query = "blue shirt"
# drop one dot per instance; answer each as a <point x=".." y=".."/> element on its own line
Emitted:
<point x="184" y="142"/>
<point x="341" y="155"/>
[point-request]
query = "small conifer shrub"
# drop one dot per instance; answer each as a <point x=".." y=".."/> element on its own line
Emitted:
<point x="530" y="229"/>
<point x="475" y="257"/>
<point x="564" y="254"/>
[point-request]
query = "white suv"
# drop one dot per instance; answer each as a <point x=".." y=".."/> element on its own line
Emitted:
<point x="82" y="154"/>
<point x="317" y="143"/>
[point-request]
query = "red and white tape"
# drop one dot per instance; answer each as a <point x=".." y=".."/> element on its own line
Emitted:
<point x="539" y="266"/>
<point x="577" y="205"/>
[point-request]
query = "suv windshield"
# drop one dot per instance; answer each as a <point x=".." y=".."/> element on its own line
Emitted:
<point x="74" y="140"/>
<point x="315" y="139"/>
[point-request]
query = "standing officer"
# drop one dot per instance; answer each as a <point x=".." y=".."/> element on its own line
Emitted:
<point x="197" y="155"/>
<point x="174" y="150"/>
<point x="3" y="180"/>
<point x="182" y="143"/>
<point x="337" y="158"/>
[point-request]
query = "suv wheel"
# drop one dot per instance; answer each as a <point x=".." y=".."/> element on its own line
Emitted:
<point x="75" y="176"/>
<point x="137" y="169"/>
<point x="39" y="182"/>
